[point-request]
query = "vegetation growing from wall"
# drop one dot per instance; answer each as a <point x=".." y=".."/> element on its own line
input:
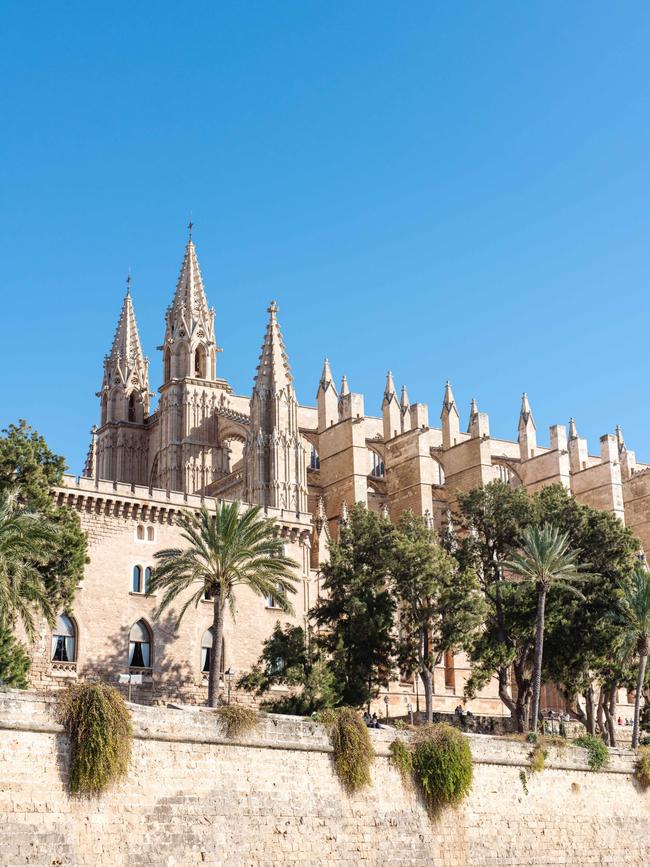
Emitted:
<point x="353" y="752"/>
<point x="97" y="721"/>
<point x="237" y="720"/>
<point x="537" y="758"/>
<point x="642" y="767"/>
<point x="401" y="758"/>
<point x="597" y="752"/>
<point x="442" y="762"/>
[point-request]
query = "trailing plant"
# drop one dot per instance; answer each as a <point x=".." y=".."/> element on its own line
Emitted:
<point x="442" y="761"/>
<point x="598" y="754"/>
<point x="537" y="758"/>
<point x="642" y="767"/>
<point x="97" y="721"/>
<point x="353" y="752"/>
<point x="401" y="759"/>
<point x="236" y="719"/>
<point x="523" y="779"/>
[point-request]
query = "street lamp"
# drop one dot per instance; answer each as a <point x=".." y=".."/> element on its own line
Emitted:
<point x="409" y="710"/>
<point x="229" y="673"/>
<point x="386" y="703"/>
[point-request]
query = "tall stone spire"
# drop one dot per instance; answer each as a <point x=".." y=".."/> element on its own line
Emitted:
<point x="390" y="410"/>
<point x="275" y="470"/>
<point x="125" y="388"/>
<point x="449" y="418"/>
<point x="527" y="431"/>
<point x="189" y="347"/>
<point x="345" y="388"/>
<point x="405" y="406"/>
<point x="327" y="399"/>
<point x="473" y="413"/>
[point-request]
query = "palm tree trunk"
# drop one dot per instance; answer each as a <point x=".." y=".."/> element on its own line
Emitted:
<point x="640" y="679"/>
<point x="539" y="650"/>
<point x="215" y="653"/>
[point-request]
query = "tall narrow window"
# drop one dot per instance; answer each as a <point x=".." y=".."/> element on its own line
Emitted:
<point x="132" y="407"/>
<point x="206" y="652"/>
<point x="147" y="579"/>
<point x="151" y="535"/>
<point x="450" y="673"/>
<point x="140" y="645"/>
<point x="63" y="640"/>
<point x="139" y="533"/>
<point x="167" y="366"/>
<point x="137" y="579"/>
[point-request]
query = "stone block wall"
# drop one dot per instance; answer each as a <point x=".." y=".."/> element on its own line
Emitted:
<point x="193" y="797"/>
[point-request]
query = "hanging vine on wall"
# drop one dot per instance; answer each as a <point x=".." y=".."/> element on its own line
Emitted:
<point x="442" y="761"/>
<point x="97" y="721"/>
<point x="237" y="719"/>
<point x="353" y="752"/>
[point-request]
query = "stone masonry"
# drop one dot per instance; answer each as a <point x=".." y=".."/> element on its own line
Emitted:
<point x="194" y="797"/>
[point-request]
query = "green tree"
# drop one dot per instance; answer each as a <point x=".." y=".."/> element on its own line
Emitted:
<point x="634" y="617"/>
<point x="544" y="559"/>
<point x="493" y="518"/>
<point x="580" y="634"/>
<point x="28" y="465"/>
<point x="356" y="612"/>
<point x="14" y="661"/>
<point x="225" y="549"/>
<point x="289" y="660"/>
<point x="25" y="542"/>
<point x="439" y="605"/>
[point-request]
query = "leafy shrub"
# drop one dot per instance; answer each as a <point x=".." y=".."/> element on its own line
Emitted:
<point x="642" y="767"/>
<point x="537" y="758"/>
<point x="531" y="737"/>
<point x="400" y="725"/>
<point x="353" y="752"/>
<point x="442" y="761"/>
<point x="523" y="779"/>
<point x="97" y="721"/>
<point x="401" y="759"/>
<point x="236" y="719"/>
<point x="14" y="661"/>
<point x="598" y="754"/>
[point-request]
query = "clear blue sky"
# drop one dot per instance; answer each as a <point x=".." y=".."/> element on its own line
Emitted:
<point x="451" y="190"/>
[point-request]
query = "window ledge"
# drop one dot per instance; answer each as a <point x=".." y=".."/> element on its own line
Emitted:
<point x="142" y="595"/>
<point x="63" y="669"/>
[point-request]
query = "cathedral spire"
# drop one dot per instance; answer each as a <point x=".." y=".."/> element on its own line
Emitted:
<point x="327" y="399"/>
<point x="125" y="387"/>
<point x="573" y="430"/>
<point x="189" y="347"/>
<point x="473" y="413"/>
<point x="390" y="410"/>
<point x="345" y="389"/>
<point x="449" y="418"/>
<point x="275" y="468"/>
<point x="273" y="370"/>
<point x="527" y="431"/>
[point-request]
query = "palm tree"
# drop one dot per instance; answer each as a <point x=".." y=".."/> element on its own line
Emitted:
<point x="634" y="617"/>
<point x="225" y="549"/>
<point x="26" y="540"/>
<point x="545" y="559"/>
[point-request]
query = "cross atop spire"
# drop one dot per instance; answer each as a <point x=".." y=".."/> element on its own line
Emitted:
<point x="273" y="371"/>
<point x="128" y="283"/>
<point x="190" y="226"/>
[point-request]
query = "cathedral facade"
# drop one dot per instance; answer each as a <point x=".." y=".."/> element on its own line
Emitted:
<point x="304" y="464"/>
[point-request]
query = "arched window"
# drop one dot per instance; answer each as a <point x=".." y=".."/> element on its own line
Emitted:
<point x="137" y="579"/>
<point x="139" y="533"/>
<point x="63" y="640"/>
<point x="131" y="416"/>
<point x="206" y="652"/>
<point x="438" y="473"/>
<point x="140" y="645"/>
<point x="147" y="579"/>
<point x="150" y="534"/>
<point x="314" y="460"/>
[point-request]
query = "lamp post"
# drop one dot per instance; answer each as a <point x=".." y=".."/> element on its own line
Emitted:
<point x="386" y="703"/>
<point x="229" y="673"/>
<point x="409" y="710"/>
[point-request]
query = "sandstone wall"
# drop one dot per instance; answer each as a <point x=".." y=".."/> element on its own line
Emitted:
<point x="194" y="798"/>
